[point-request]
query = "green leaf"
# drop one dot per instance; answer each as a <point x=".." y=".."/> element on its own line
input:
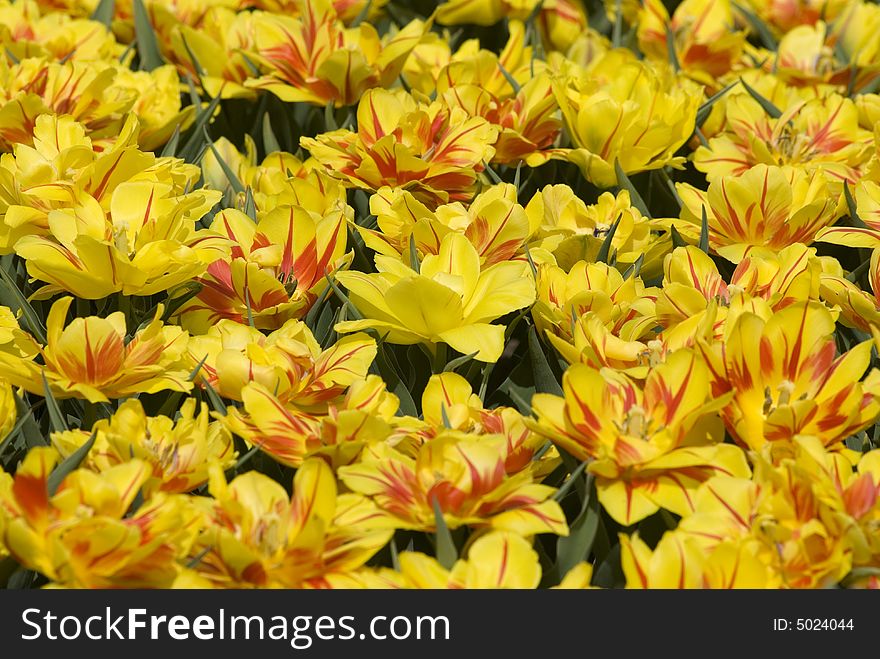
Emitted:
<point x="759" y="26"/>
<point x="851" y="205"/>
<point x="458" y="361"/>
<point x="670" y="49"/>
<point x="576" y="547"/>
<point x="56" y="418"/>
<point x="617" y="30"/>
<point x="510" y="79"/>
<point x="414" y="262"/>
<point x="195" y="145"/>
<point x="394" y="381"/>
<point x="216" y="401"/>
<point x="362" y="15"/>
<point x="706" y="107"/>
<point x="566" y="486"/>
<point x="447" y="554"/>
<point x="73" y="461"/>
<point x="635" y="268"/>
<point x="270" y="142"/>
<point x="704" y="230"/>
<point x="545" y="381"/>
<point x="12" y="297"/>
<point x="147" y="45"/>
<point x="344" y="298"/>
<point x="104" y="12"/>
<point x="677" y="240"/>
<point x="605" y="247"/>
<point x="765" y="103"/>
<point x="492" y="173"/>
<point x="170" y="148"/>
<point x="634" y="196"/>
<point x="25" y="426"/>
<point x="231" y="176"/>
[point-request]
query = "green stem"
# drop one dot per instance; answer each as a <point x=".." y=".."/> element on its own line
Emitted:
<point x="439" y="357"/>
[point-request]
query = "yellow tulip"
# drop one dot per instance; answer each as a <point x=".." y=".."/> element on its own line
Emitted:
<point x="498" y="559"/>
<point x="649" y="447"/>
<point x="431" y="150"/>
<point x="784" y="16"/>
<point x="704" y="44"/>
<point x="460" y="476"/>
<point x="336" y="433"/>
<point x="313" y="58"/>
<point x="83" y="537"/>
<point x="217" y="46"/>
<point x="288" y="362"/>
<point x="179" y="452"/>
<point x="279" y="264"/>
<point x="817" y="134"/>
<point x="574" y="231"/>
<point x="448" y="401"/>
<point x="90" y="358"/>
<point x="84" y="90"/>
<point x="258" y="536"/>
<point x="450" y="300"/>
<point x="768" y="206"/>
<point x="621" y="109"/>
<point x="493" y="222"/>
<point x="54" y="35"/>
<point x="595" y="316"/>
<point x="785" y="378"/>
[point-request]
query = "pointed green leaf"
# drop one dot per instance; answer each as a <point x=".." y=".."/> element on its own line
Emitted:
<point x="545" y="381"/>
<point x="12" y="297"/>
<point x="706" y="107"/>
<point x="634" y="196"/>
<point x="677" y="240"/>
<point x="170" y="148"/>
<point x="270" y="142"/>
<point x="72" y="462"/>
<point x="765" y="103"/>
<point x="104" y="12"/>
<point x="447" y="554"/>
<point x="231" y="176"/>
<point x="147" y="44"/>
<point x="576" y="547"/>
<point x="56" y="418"/>
<point x="704" y="230"/>
<point x="605" y="247"/>
<point x="759" y="26"/>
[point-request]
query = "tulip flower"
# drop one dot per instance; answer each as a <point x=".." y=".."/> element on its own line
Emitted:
<point x="449" y="300"/>
<point x="288" y="362"/>
<point x="649" y="447"/>
<point x="433" y="151"/>
<point x="90" y="358"/>
<point x="82" y="535"/>
<point x="448" y="401"/>
<point x="818" y="134"/>
<point x="574" y="231"/>
<point x="313" y="58"/>
<point x="765" y="205"/>
<point x="338" y="433"/>
<point x="497" y="559"/>
<point x="621" y="110"/>
<point x="494" y="223"/>
<point x="595" y="316"/>
<point x="278" y="268"/>
<point x="700" y="31"/>
<point x="259" y="536"/>
<point x="179" y="452"/>
<point x="454" y="475"/>
<point x="784" y="378"/>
